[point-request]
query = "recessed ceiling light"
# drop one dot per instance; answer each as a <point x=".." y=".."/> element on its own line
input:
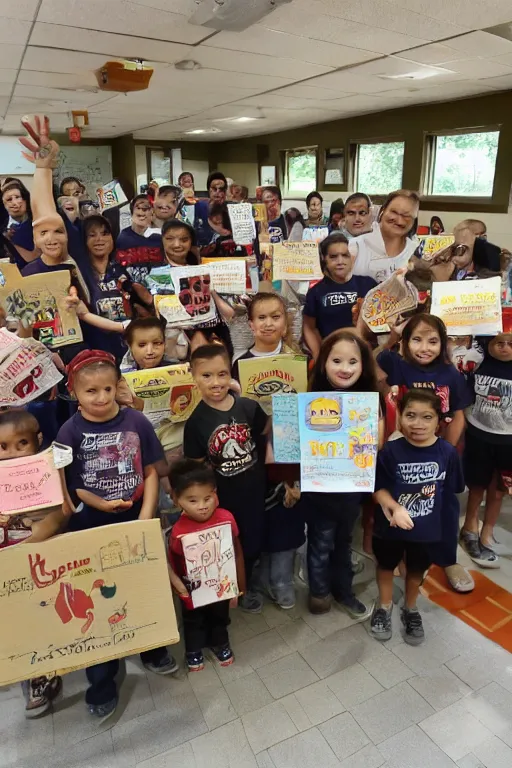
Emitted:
<point x="204" y="130"/>
<point x="245" y="119"/>
<point x="187" y="65"/>
<point x="197" y="130"/>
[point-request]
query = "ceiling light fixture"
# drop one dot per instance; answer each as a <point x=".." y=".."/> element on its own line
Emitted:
<point x="187" y="65"/>
<point x="232" y="15"/>
<point x="203" y="130"/>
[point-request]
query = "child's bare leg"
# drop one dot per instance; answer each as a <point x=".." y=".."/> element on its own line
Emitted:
<point x="413" y="582"/>
<point x="385" y="584"/>
<point x="493" y="502"/>
<point x="475" y="497"/>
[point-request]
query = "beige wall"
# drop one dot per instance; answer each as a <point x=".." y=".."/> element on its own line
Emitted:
<point x="243" y="173"/>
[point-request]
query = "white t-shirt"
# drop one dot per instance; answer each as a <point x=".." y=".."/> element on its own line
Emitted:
<point x="371" y="258"/>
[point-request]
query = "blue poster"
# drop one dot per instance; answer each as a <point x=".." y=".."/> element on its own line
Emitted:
<point x="338" y="441"/>
<point x="285" y="429"/>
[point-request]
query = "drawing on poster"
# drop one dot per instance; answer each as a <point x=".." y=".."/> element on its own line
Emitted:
<point x="431" y="244"/>
<point x="183" y="294"/>
<point x="296" y="261"/>
<point x="210" y="564"/>
<point x="228" y="275"/>
<point x="285" y="429"/>
<point x="469" y="307"/>
<point x="26" y="370"/>
<point x="168" y="393"/>
<point x="262" y="377"/>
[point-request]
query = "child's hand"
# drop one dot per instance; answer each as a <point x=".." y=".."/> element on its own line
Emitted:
<point x="116" y="505"/>
<point x="401" y="519"/>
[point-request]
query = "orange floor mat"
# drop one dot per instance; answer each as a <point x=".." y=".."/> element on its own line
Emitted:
<point x="488" y="608"/>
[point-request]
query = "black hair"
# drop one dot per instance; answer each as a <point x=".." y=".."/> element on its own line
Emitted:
<point x="367" y="382"/>
<point x="337" y="206"/>
<point x="179" y="224"/>
<point x="275" y="191"/>
<point x="25" y="195"/>
<point x="96" y="220"/>
<point x="20" y="420"/>
<point x="312" y="196"/>
<point x="218" y="334"/>
<point x="438" y="220"/>
<point x="220" y="209"/>
<point x="292" y="216"/>
<point x="186" y="173"/>
<point x="216" y="176"/>
<point x="167" y="189"/>
<point x="136" y="199"/>
<point x="209" y="352"/>
<point x="69" y="180"/>
<point x="433" y="322"/>
<point x="323" y="246"/>
<point x="144" y="323"/>
<point x="356" y="196"/>
<point x="427" y="396"/>
<point x="186" y="472"/>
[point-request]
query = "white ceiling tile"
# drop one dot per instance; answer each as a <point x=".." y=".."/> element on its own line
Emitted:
<point x="10" y="56"/>
<point x="40" y="59"/>
<point x="56" y="80"/>
<point x="349" y="81"/>
<point x="185" y="7"/>
<point x="257" y="64"/>
<point x="500" y="83"/>
<point x="206" y="78"/>
<point x="21" y="9"/>
<point x="59" y="94"/>
<point x="14" y="31"/>
<point x="8" y="75"/>
<point x="301" y="90"/>
<point x="475" y="15"/>
<point x="507" y="59"/>
<point x="433" y="54"/>
<point x="481" y="44"/>
<point x="480" y="68"/>
<point x="122" y="17"/>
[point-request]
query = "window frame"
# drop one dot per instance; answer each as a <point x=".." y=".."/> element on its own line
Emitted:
<point x="428" y="168"/>
<point x="285" y="154"/>
<point x="354" y="159"/>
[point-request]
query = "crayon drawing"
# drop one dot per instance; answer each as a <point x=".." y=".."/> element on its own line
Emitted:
<point x="211" y="565"/>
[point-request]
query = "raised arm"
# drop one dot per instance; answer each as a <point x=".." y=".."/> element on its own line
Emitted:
<point x="42" y="151"/>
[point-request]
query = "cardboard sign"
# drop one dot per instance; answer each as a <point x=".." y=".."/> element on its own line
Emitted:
<point x="26" y="370"/>
<point x="111" y="195"/>
<point x="169" y="393"/>
<point x="469" y="307"/>
<point x="384" y="303"/>
<point x="285" y="429"/>
<point x="431" y="244"/>
<point x="243" y="227"/>
<point x="40" y="301"/>
<point x="262" y="377"/>
<point x="211" y="565"/>
<point x="28" y="483"/>
<point x="183" y="294"/>
<point x="83" y="598"/>
<point x="296" y="261"/>
<point x="338" y="441"/>
<point x="228" y="275"/>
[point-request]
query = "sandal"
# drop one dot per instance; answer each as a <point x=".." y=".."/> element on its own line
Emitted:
<point x="459" y="578"/>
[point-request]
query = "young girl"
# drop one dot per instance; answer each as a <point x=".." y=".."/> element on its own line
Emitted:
<point x="425" y="364"/>
<point x="329" y="303"/>
<point x="345" y="364"/>
<point x="418" y="476"/>
<point x="488" y="449"/>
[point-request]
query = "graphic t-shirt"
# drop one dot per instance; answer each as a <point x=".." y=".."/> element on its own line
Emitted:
<point x="109" y="459"/>
<point x="490" y="417"/>
<point x="443" y="378"/>
<point x="139" y="254"/>
<point x="229" y="441"/>
<point x="330" y="303"/>
<point x="277" y="230"/>
<point x="424" y="481"/>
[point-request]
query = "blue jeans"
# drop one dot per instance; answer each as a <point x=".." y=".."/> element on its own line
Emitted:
<point x="101" y="677"/>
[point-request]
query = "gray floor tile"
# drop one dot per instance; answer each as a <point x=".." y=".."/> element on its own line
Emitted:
<point x="181" y="756"/>
<point x="256" y="622"/>
<point x="319" y="702"/>
<point x="296" y="712"/>
<point x="387" y="669"/>
<point x="413" y="749"/>
<point x="390" y="712"/>
<point x="307" y="750"/>
<point x="169" y="690"/>
<point x="226" y="747"/>
<point x="470" y="761"/>
<point x="440" y="688"/>
<point x="205" y="678"/>
<point x="275" y="616"/>
<point x="455" y="730"/>
<point x="262" y="649"/>
<point x="492" y="705"/>
<point x="264" y="760"/>
<point x="248" y="693"/>
<point x="469" y="668"/>
<point x="494" y="753"/>
<point x="216" y="707"/>
<point x="344" y="735"/>
<point x="333" y="654"/>
<point x="96" y="751"/>
<point x="367" y="757"/>
<point x="434" y="651"/>
<point x="298" y="634"/>
<point x="20" y="738"/>
<point x="328" y="623"/>
<point x="287" y="675"/>
<point x="353" y="685"/>
<point x="135" y="697"/>
<point x="267" y="726"/>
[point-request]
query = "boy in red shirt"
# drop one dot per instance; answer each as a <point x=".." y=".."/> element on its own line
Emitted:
<point x="194" y="491"/>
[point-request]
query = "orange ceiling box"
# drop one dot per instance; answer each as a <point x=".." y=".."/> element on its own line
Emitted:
<point x="123" y="76"/>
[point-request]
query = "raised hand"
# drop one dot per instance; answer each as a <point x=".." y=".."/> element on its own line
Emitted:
<point x="42" y="151"/>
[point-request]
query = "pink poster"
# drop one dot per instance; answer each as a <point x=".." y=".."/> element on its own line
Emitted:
<point x="29" y="483"/>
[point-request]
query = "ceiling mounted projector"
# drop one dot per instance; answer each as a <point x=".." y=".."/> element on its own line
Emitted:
<point x="232" y="15"/>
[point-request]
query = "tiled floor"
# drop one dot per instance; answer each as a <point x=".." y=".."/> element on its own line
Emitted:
<point x="305" y="692"/>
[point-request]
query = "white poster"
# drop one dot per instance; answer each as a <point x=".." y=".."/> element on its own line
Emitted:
<point x="211" y="565"/>
<point x="469" y="307"/>
<point x="242" y="223"/>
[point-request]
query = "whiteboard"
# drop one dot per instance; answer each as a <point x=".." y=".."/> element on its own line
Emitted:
<point x="11" y="161"/>
<point x="92" y="165"/>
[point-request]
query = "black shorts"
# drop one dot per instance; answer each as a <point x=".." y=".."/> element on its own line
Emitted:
<point x="481" y="459"/>
<point x="390" y="552"/>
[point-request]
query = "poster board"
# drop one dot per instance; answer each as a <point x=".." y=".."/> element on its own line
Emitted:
<point x="91" y="597"/>
<point x="29" y="483"/>
<point x="431" y="244"/>
<point x="243" y="227"/>
<point x="262" y="377"/>
<point x="338" y="441"/>
<point x="111" y="195"/>
<point x="183" y="294"/>
<point x="388" y="300"/>
<point x="211" y="565"/>
<point x="169" y="393"/>
<point x="285" y="429"/>
<point x="40" y="301"/>
<point x="26" y="370"/>
<point x="228" y="275"/>
<point x="469" y="307"/>
<point x="296" y="261"/>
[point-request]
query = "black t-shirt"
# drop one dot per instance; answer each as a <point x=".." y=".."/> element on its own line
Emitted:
<point x="330" y="303"/>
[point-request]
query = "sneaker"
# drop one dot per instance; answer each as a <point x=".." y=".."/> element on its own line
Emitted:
<point x="470" y="543"/>
<point x="319" y="605"/>
<point x="102" y="711"/>
<point x="224" y="655"/>
<point x="284" y="597"/>
<point x="195" y="661"/>
<point x="251" y="603"/>
<point x="166" y="666"/>
<point x="355" y="608"/>
<point x="36" y="698"/>
<point x="414" y="632"/>
<point x="357" y="563"/>
<point x="380" y="625"/>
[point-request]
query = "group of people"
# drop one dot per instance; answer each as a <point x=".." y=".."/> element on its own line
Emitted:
<point x="218" y="467"/>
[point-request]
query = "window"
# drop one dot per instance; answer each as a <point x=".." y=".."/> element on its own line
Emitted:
<point x="379" y="167"/>
<point x="462" y="164"/>
<point x="300" y="170"/>
<point x="159" y="166"/>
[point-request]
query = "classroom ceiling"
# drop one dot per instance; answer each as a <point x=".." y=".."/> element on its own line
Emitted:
<point x="308" y="61"/>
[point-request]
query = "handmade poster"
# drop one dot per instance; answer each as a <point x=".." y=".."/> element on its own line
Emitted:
<point x="243" y="227"/>
<point x="211" y="565"/>
<point x="431" y="244"/>
<point x="169" y="393"/>
<point x="82" y="598"/>
<point x="384" y="303"/>
<point x="338" y="441"/>
<point x="40" y="301"/>
<point x="296" y="261"/>
<point x="285" y="429"/>
<point x="111" y="195"/>
<point x="183" y="294"/>
<point x="262" y="377"/>
<point x="259" y="212"/>
<point x="469" y="307"/>
<point x="314" y="234"/>
<point x="228" y="275"/>
<point x="28" y="483"/>
<point x="26" y="370"/>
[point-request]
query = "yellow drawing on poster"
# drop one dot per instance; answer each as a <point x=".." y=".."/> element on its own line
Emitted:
<point x="469" y="307"/>
<point x="431" y="244"/>
<point x="168" y="393"/>
<point x="262" y="377"/>
<point x="296" y="261"/>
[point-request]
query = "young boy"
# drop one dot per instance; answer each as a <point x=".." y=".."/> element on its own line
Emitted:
<point x="194" y="491"/>
<point x="20" y="436"/>
<point x="228" y="431"/>
<point x="114" y="476"/>
<point x="418" y="476"/>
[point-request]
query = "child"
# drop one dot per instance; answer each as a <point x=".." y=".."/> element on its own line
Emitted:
<point x="488" y="449"/>
<point x="194" y="491"/>
<point x="227" y="431"/>
<point x="425" y="363"/>
<point x="329" y="303"/>
<point x="20" y="436"/>
<point x="418" y="476"/>
<point x="115" y="478"/>
<point x="344" y="364"/>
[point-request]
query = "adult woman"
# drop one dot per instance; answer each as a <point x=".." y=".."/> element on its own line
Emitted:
<point x="316" y="218"/>
<point x="358" y="215"/>
<point x="295" y="225"/>
<point x="389" y="246"/>
<point x="336" y="213"/>
<point x="272" y="198"/>
<point x="17" y="220"/>
<point x="72" y="187"/>
<point x="436" y="226"/>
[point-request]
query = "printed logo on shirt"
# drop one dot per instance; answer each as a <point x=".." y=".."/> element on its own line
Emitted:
<point x="112" y="465"/>
<point x="338" y="299"/>
<point x="493" y="404"/>
<point x="443" y="392"/>
<point x="419" y="504"/>
<point x="232" y="449"/>
<point x="416" y="472"/>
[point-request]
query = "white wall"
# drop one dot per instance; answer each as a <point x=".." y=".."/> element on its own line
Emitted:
<point x="199" y="170"/>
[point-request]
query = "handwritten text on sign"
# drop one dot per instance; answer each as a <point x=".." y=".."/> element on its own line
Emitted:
<point x="296" y="261"/>
<point x="469" y="307"/>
